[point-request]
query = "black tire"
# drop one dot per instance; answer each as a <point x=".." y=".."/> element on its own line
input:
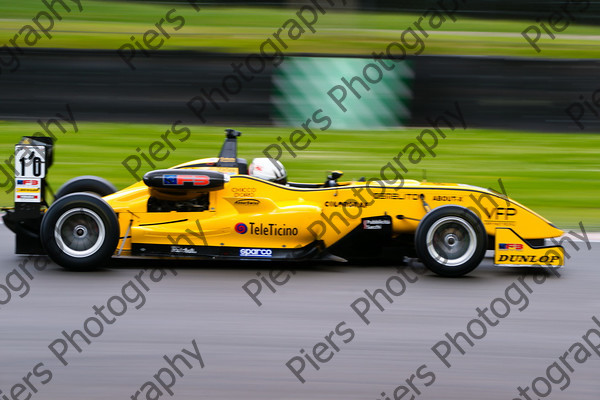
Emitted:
<point x="88" y="184"/>
<point x="451" y="241"/>
<point x="80" y="232"/>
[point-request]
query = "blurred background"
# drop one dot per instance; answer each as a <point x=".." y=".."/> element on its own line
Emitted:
<point x="112" y="81"/>
<point x="525" y="75"/>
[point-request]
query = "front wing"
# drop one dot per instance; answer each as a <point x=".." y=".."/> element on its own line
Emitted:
<point x="512" y="250"/>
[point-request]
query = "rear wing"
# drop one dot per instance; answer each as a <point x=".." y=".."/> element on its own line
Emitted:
<point x="33" y="157"/>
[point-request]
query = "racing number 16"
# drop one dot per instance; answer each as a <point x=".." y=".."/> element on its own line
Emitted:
<point x="30" y="162"/>
<point x="34" y="161"/>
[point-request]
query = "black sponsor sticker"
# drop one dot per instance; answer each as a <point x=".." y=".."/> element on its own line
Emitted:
<point x="396" y="196"/>
<point x="448" y="198"/>
<point x="247" y="202"/>
<point x="347" y="203"/>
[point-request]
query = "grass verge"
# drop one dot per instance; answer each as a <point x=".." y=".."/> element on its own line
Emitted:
<point x="108" y="25"/>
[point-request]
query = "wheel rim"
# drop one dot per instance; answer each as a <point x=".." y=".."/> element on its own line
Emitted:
<point x="79" y="232"/>
<point x="451" y="241"/>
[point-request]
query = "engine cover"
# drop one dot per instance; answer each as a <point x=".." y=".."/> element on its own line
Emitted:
<point x="178" y="179"/>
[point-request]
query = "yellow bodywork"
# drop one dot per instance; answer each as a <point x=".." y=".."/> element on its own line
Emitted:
<point x="253" y="213"/>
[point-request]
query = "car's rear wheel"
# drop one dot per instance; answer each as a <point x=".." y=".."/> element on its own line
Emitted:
<point x="86" y="184"/>
<point x="80" y="231"/>
<point x="451" y="241"/>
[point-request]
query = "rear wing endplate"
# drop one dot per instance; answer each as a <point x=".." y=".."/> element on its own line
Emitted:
<point x="33" y="157"/>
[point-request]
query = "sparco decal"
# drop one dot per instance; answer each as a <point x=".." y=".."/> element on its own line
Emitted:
<point x="528" y="259"/>
<point x="395" y="196"/>
<point x="256" y="252"/>
<point x="348" y="203"/>
<point x="267" y="229"/>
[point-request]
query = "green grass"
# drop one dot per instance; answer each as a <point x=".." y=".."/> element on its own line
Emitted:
<point x="554" y="174"/>
<point x="108" y="25"/>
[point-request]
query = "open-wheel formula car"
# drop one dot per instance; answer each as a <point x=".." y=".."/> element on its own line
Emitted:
<point x="216" y="208"/>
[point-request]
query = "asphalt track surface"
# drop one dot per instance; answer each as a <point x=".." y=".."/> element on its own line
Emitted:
<point x="244" y="347"/>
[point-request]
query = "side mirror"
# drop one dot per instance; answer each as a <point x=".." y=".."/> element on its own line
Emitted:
<point x="232" y="133"/>
<point x="332" y="178"/>
<point x="335" y="175"/>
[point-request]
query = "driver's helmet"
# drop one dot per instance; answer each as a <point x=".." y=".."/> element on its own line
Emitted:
<point x="268" y="169"/>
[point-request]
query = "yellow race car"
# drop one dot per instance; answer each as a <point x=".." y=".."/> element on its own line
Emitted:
<point x="219" y="208"/>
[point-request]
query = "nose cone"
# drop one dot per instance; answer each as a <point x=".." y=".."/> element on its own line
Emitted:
<point x="530" y="225"/>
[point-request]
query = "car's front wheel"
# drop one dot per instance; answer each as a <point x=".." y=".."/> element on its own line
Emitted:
<point x="80" y="231"/>
<point x="451" y="241"/>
